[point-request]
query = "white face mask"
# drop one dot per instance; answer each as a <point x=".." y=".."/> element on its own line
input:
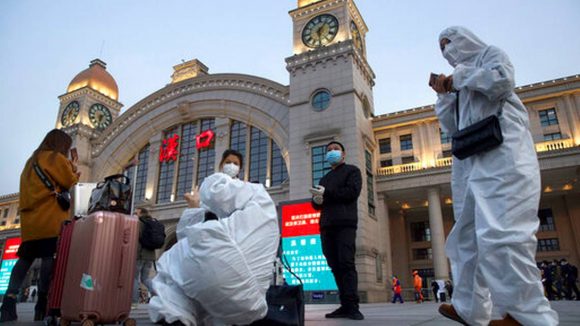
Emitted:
<point x="451" y="54"/>
<point x="231" y="169"/>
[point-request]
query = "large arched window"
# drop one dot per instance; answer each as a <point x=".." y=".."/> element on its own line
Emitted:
<point x="138" y="177"/>
<point x="177" y="172"/>
<point x="265" y="163"/>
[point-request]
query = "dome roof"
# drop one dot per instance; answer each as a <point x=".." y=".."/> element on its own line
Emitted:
<point x="97" y="78"/>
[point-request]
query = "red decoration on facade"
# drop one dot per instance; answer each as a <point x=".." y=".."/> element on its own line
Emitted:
<point x="204" y="139"/>
<point x="168" y="149"/>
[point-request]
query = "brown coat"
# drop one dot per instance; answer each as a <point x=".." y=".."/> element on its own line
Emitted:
<point x="41" y="216"/>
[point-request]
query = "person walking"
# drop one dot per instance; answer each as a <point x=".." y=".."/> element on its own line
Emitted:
<point x="435" y="289"/>
<point x="145" y="259"/>
<point x="41" y="217"/>
<point x="449" y="288"/>
<point x="396" y="286"/>
<point x="336" y="196"/>
<point x="418" y="286"/>
<point x="570" y="275"/>
<point x="496" y="192"/>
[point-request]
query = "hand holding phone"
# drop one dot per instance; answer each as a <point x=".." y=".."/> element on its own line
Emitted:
<point x="432" y="78"/>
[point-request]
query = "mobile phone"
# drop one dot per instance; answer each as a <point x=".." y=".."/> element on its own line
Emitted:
<point x="432" y="78"/>
<point x="74" y="155"/>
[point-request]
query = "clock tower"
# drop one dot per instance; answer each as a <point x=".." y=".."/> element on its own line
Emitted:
<point x="88" y="108"/>
<point x="331" y="98"/>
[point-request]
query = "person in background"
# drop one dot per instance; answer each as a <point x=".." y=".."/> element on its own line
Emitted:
<point x="449" y="288"/>
<point x="418" y="286"/>
<point x="145" y="261"/>
<point x="396" y="286"/>
<point x="336" y="196"/>
<point x="570" y="276"/>
<point x="496" y="193"/>
<point x="435" y="288"/>
<point x="41" y="218"/>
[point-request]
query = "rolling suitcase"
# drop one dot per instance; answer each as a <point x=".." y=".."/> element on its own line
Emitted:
<point x="58" y="273"/>
<point x="100" y="270"/>
<point x="80" y="196"/>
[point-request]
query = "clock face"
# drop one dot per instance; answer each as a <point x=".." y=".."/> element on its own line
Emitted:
<point x="100" y="116"/>
<point x="320" y="31"/>
<point x="356" y="37"/>
<point x="70" y="114"/>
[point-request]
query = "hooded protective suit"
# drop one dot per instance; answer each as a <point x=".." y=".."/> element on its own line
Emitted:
<point x="495" y="194"/>
<point x="218" y="272"/>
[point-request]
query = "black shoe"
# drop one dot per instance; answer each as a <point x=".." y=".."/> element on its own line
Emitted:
<point x="8" y="310"/>
<point x="338" y="313"/>
<point x="355" y="315"/>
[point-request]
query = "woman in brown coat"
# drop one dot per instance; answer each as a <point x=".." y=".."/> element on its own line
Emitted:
<point x="41" y="217"/>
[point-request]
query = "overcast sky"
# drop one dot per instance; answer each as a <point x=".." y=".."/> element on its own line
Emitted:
<point x="44" y="44"/>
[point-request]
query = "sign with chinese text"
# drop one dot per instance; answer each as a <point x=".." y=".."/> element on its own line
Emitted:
<point x="302" y="247"/>
<point x="168" y="149"/>
<point x="9" y="259"/>
<point x="204" y="139"/>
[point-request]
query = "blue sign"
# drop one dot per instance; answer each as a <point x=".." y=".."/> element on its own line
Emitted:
<point x="304" y="254"/>
<point x="5" y="271"/>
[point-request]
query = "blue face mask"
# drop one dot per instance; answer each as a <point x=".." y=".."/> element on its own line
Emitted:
<point x="333" y="157"/>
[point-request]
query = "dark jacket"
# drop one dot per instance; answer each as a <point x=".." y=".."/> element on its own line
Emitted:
<point x="342" y="187"/>
<point x="142" y="253"/>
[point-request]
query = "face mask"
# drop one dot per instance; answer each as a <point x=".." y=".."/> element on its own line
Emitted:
<point x="333" y="157"/>
<point x="451" y="54"/>
<point x="231" y="169"/>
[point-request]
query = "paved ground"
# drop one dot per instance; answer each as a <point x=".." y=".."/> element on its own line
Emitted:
<point x="375" y="314"/>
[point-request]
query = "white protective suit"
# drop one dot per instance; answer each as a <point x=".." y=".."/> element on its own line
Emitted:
<point x="495" y="194"/>
<point x="218" y="272"/>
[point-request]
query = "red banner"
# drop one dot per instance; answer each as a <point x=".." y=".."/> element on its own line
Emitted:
<point x="11" y="248"/>
<point x="299" y="220"/>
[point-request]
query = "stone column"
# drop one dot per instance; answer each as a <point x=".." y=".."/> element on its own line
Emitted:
<point x="437" y="235"/>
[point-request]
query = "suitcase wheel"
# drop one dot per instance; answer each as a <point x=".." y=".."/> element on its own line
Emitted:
<point x="87" y="322"/>
<point x="130" y="322"/>
<point x="51" y="321"/>
<point x="64" y="322"/>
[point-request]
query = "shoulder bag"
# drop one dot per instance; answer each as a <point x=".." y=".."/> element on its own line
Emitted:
<point x="479" y="137"/>
<point x="62" y="198"/>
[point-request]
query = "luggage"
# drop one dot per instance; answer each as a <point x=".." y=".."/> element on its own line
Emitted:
<point x="80" y="196"/>
<point x="114" y="194"/>
<point x="58" y="274"/>
<point x="99" y="275"/>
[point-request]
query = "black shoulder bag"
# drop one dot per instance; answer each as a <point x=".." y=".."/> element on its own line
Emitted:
<point x="479" y="137"/>
<point x="285" y="302"/>
<point x="62" y="198"/>
<point x="113" y="194"/>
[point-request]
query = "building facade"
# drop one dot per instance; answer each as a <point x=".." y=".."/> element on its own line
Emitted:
<point x="177" y="135"/>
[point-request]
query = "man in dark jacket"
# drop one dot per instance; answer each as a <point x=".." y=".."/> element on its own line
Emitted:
<point x="337" y="195"/>
<point x="145" y="262"/>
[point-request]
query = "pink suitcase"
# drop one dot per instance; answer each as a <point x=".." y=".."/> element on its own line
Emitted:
<point x="99" y="274"/>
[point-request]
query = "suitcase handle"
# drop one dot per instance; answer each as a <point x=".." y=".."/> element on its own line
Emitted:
<point x="124" y="266"/>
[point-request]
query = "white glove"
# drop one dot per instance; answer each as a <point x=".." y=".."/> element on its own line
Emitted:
<point x="318" y="199"/>
<point x="317" y="191"/>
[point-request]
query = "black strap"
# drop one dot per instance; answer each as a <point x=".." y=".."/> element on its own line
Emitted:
<point x="457" y="109"/>
<point x="43" y="177"/>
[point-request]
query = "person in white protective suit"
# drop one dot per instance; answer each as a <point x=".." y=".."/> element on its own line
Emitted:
<point x="219" y="270"/>
<point x="495" y="193"/>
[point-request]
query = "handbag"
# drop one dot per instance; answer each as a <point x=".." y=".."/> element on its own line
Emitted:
<point x="113" y="194"/>
<point x="285" y="304"/>
<point x="479" y="137"/>
<point x="62" y="198"/>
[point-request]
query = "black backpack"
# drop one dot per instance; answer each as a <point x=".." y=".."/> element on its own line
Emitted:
<point x="153" y="235"/>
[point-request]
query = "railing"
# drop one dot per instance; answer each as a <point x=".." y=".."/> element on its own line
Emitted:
<point x="442" y="162"/>
<point x="554" y="145"/>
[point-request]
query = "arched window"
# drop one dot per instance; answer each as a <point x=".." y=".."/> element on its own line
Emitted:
<point x="264" y="163"/>
<point x="138" y="177"/>
<point x="177" y="173"/>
